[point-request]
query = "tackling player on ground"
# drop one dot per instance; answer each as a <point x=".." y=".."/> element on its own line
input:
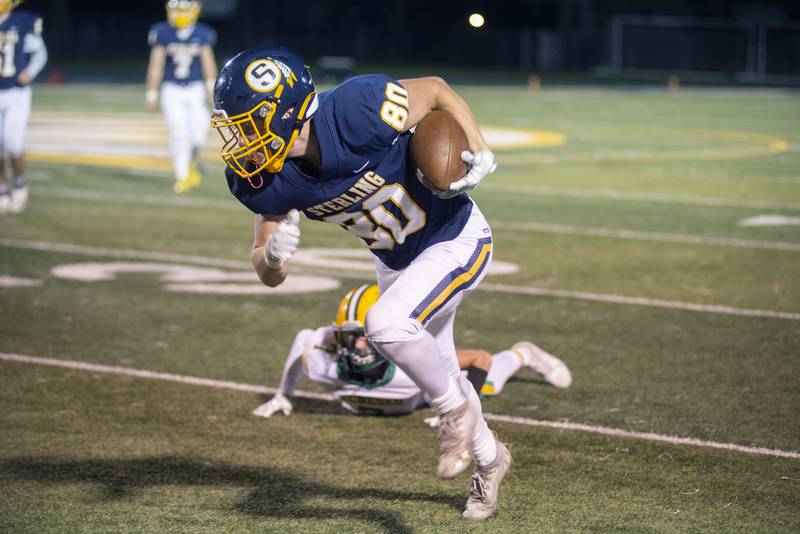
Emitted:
<point x="22" y="56"/>
<point x="340" y="359"/>
<point x="182" y="63"/>
<point x="341" y="157"/>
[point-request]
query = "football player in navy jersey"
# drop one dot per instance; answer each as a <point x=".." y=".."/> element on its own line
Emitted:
<point x="342" y="157"/>
<point x="182" y="63"/>
<point x="22" y="56"/>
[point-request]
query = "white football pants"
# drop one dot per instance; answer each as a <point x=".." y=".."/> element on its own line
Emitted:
<point x="188" y="122"/>
<point x="15" y="108"/>
<point x="415" y="313"/>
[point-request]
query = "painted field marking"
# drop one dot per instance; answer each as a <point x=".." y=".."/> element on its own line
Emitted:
<point x="645" y="236"/>
<point x="249" y="388"/>
<point x="770" y="220"/>
<point x="155" y="200"/>
<point x="486" y="286"/>
<point x="638" y="301"/>
<point x="636" y="196"/>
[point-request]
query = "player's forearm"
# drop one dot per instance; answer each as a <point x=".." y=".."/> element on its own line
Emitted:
<point x="155" y="69"/>
<point x="209" y="64"/>
<point x="35" y="45"/>
<point x="270" y="275"/>
<point x="292" y="372"/>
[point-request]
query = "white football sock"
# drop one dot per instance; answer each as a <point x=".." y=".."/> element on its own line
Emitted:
<point x="504" y="365"/>
<point x="483" y="443"/>
<point x="452" y="399"/>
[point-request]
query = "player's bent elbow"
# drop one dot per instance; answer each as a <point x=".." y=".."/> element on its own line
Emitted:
<point x="270" y="277"/>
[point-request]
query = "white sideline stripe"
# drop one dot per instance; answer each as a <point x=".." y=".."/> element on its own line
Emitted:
<point x="500" y="288"/>
<point x="123" y="253"/>
<point x="224" y="384"/>
<point x="647" y="436"/>
<point x="645" y="236"/>
<point x="639" y="301"/>
<point x="661" y="198"/>
<point x="139" y="373"/>
<point x="154" y="200"/>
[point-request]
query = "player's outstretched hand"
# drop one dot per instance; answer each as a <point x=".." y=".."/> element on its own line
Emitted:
<point x="480" y="165"/>
<point x="276" y="403"/>
<point x="283" y="242"/>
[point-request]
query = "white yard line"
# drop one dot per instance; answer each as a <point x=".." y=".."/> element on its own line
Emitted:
<point x="645" y="236"/>
<point x="155" y="200"/>
<point x="486" y="286"/>
<point x="638" y="301"/>
<point x="647" y="436"/>
<point x="225" y="384"/>
<point x="661" y="198"/>
<point x="123" y="253"/>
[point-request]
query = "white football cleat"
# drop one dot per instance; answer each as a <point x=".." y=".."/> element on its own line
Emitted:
<point x="551" y="368"/>
<point x="485" y="484"/>
<point x="456" y="429"/>
<point x="19" y="199"/>
<point x="5" y="203"/>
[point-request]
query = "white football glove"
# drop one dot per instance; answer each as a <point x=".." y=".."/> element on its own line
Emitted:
<point x="282" y="244"/>
<point x="480" y="164"/>
<point x="276" y="403"/>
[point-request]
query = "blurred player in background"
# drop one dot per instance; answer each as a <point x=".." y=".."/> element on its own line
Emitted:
<point x="342" y="157"/>
<point x="341" y="359"/>
<point x="22" y="56"/>
<point x="182" y="57"/>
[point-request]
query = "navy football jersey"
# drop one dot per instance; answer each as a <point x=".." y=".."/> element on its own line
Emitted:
<point x="14" y="58"/>
<point x="183" y="55"/>
<point x="366" y="184"/>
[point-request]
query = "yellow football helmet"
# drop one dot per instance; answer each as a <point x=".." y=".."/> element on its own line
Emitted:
<point x="183" y="13"/>
<point x="359" y="363"/>
<point x="353" y="308"/>
<point x="9" y="5"/>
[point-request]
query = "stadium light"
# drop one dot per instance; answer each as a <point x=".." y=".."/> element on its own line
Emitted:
<point x="476" y="20"/>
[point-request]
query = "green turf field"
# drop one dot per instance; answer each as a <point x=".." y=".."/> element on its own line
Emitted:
<point x="633" y="266"/>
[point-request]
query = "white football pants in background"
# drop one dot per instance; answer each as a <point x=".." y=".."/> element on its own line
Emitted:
<point x="15" y="108"/>
<point x="188" y="122"/>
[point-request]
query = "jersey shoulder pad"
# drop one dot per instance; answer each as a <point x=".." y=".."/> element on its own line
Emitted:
<point x="207" y="34"/>
<point x="30" y="22"/>
<point x="367" y="112"/>
<point x="159" y="34"/>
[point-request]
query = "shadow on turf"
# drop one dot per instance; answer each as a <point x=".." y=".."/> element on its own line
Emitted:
<point x="275" y="493"/>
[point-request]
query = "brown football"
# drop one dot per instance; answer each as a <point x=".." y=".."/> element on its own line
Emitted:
<point x="436" y="148"/>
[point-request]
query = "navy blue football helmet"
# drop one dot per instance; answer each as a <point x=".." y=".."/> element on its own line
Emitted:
<point x="262" y="98"/>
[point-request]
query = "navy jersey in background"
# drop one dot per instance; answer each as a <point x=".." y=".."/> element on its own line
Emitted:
<point x="13" y="54"/>
<point x="183" y="50"/>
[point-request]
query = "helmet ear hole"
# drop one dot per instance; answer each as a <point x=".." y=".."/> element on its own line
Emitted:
<point x="289" y="114"/>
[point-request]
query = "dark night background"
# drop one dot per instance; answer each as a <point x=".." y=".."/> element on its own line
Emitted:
<point x="759" y="37"/>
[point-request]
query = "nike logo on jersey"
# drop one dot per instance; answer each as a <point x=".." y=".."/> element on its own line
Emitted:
<point x="364" y="166"/>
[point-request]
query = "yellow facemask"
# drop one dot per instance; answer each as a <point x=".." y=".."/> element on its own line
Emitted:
<point x="7" y="6"/>
<point x="182" y="13"/>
